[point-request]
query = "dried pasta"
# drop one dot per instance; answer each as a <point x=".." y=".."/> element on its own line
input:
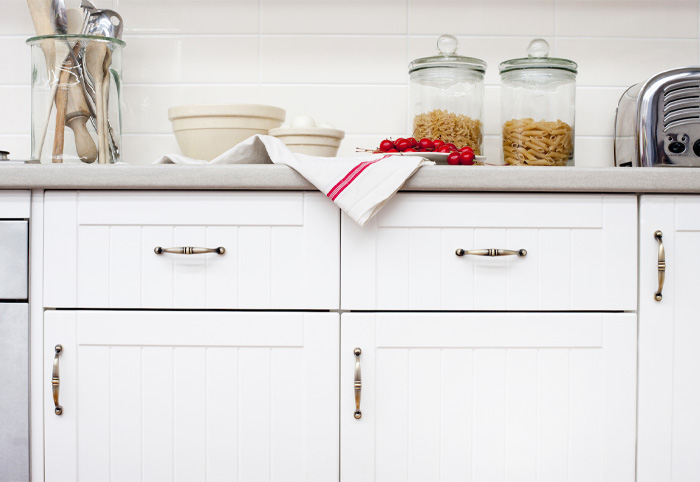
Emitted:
<point x="543" y="143"/>
<point x="460" y="130"/>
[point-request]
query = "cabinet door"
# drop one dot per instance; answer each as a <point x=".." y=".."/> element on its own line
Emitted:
<point x="489" y="396"/>
<point x="669" y="336"/>
<point x="190" y="396"/>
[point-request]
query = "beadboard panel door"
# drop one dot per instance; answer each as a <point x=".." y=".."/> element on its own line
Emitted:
<point x="489" y="396"/>
<point x="185" y="396"/>
<point x="581" y="253"/>
<point x="669" y="336"/>
<point x="281" y="250"/>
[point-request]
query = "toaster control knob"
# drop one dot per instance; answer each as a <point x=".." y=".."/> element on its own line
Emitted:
<point x="696" y="148"/>
<point x="678" y="147"/>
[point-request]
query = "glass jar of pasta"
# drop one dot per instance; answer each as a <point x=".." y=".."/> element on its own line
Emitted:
<point x="538" y="96"/>
<point x="446" y="93"/>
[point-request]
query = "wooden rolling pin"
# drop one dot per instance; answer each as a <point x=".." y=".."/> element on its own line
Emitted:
<point x="95" y="56"/>
<point x="77" y="115"/>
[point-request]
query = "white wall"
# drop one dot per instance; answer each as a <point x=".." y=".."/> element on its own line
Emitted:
<point x="345" y="62"/>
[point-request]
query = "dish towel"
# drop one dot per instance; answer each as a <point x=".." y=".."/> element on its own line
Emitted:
<point x="358" y="185"/>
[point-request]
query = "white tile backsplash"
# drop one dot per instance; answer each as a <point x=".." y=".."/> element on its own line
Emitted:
<point x="345" y="62"/>
<point x="333" y="60"/>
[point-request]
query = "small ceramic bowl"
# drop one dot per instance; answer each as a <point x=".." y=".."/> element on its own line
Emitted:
<point x="314" y="141"/>
<point x="207" y="131"/>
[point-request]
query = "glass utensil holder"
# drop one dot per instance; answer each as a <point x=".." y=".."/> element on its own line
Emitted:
<point x="76" y="99"/>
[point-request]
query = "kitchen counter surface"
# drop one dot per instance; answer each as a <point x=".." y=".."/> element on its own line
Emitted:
<point x="273" y="177"/>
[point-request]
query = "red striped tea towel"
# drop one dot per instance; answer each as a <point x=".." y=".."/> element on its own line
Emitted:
<point x="358" y="185"/>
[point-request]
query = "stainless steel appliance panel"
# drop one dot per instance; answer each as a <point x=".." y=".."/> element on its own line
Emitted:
<point x="14" y="239"/>
<point x="14" y="392"/>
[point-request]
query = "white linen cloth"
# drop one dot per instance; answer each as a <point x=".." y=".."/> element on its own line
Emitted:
<point x="358" y="185"/>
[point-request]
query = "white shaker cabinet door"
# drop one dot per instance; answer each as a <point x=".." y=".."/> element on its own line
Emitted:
<point x="190" y="396"/>
<point x="488" y="397"/>
<point x="669" y="340"/>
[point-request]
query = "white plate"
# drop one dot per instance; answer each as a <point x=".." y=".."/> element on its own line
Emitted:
<point x="438" y="157"/>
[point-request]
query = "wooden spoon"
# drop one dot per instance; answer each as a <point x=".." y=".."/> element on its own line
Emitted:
<point x="61" y="104"/>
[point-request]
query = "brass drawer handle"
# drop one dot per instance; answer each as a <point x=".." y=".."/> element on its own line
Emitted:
<point x="491" y="252"/>
<point x="661" y="266"/>
<point x="189" y="250"/>
<point x="358" y="383"/>
<point x="56" y="381"/>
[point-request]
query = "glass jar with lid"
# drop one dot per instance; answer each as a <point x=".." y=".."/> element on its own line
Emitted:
<point x="446" y="96"/>
<point x="538" y="97"/>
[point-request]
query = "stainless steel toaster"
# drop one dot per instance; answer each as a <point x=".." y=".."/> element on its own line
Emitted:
<point x="658" y="121"/>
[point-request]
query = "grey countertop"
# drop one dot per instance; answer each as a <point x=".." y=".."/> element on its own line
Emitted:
<point x="273" y="177"/>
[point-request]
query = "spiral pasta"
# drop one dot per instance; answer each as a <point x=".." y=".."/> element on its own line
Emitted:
<point x="460" y="130"/>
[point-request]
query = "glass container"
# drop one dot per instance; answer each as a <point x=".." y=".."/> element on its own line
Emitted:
<point x="538" y="97"/>
<point x="446" y="96"/>
<point x="76" y="98"/>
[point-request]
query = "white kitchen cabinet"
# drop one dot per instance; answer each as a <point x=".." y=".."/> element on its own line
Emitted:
<point x="489" y="396"/>
<point x="669" y="337"/>
<point x="580" y="253"/>
<point x="281" y="250"/>
<point x="184" y="396"/>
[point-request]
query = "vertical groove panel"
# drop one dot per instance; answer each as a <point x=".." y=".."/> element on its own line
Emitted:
<point x="457" y="408"/>
<point x="521" y="415"/>
<point x="489" y="407"/>
<point x="157" y="271"/>
<point x="157" y="389"/>
<point x="125" y="413"/>
<point x="552" y="419"/>
<point x="392" y="270"/>
<point x="124" y="266"/>
<point x="391" y="406"/>
<point x="222" y="413"/>
<point x="254" y="421"/>
<point x="221" y="270"/>
<point x="93" y="422"/>
<point x="189" y="414"/>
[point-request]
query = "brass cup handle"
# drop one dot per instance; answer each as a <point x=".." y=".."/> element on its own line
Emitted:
<point x="491" y="252"/>
<point x="358" y="383"/>
<point x="661" y="265"/>
<point x="56" y="381"/>
<point x="189" y="250"/>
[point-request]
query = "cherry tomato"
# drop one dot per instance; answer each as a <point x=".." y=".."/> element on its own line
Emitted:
<point x="466" y="148"/>
<point x="393" y="150"/>
<point x="451" y="146"/>
<point x="413" y="141"/>
<point x="410" y="149"/>
<point x="385" y="145"/>
<point x="442" y="149"/>
<point x="453" y="159"/>
<point x="426" y="143"/>
<point x="438" y="143"/>
<point x="466" y="158"/>
<point x="402" y="144"/>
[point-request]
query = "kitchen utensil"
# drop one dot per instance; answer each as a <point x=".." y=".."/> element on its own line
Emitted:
<point x="40" y="11"/>
<point x="314" y="141"/>
<point x="77" y="116"/>
<point x="446" y="93"/>
<point x="61" y="99"/>
<point x="658" y="121"/>
<point x="59" y="19"/>
<point x="206" y="131"/>
<point x="95" y="57"/>
<point x="103" y="23"/>
<point x="538" y="101"/>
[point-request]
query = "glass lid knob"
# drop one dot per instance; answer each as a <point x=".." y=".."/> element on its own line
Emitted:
<point x="538" y="48"/>
<point x="447" y="44"/>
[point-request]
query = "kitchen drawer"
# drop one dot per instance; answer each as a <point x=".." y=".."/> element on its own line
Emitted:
<point x="281" y="250"/>
<point x="581" y="253"/>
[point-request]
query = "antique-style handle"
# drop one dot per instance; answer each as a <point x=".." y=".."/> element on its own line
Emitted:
<point x="189" y="250"/>
<point x="661" y="265"/>
<point x="491" y="252"/>
<point x="358" y="383"/>
<point x="56" y="381"/>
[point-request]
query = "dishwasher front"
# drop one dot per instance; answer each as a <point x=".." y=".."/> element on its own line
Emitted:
<point x="14" y="351"/>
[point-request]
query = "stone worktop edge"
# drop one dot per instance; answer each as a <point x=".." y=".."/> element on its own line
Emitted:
<point x="274" y="177"/>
